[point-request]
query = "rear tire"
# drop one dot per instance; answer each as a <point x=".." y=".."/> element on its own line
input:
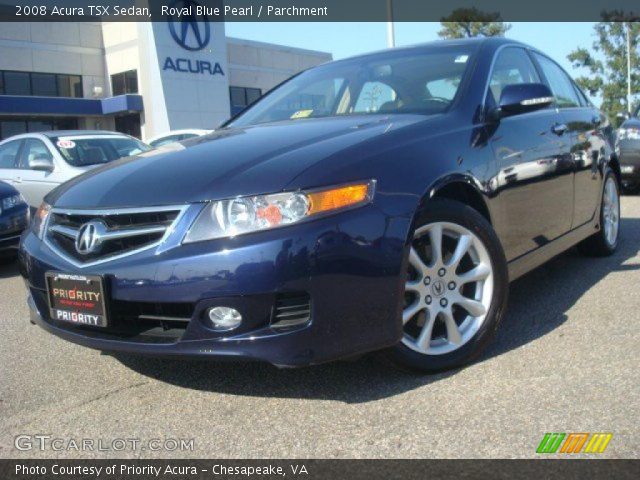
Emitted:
<point x="455" y="294"/>
<point x="605" y="241"/>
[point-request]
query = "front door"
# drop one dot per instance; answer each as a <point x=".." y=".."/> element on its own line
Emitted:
<point x="534" y="168"/>
<point x="35" y="184"/>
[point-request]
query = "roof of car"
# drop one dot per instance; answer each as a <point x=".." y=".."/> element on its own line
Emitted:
<point x="65" y="133"/>
<point x="494" y="41"/>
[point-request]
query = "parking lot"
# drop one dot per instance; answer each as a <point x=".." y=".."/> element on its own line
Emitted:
<point x="566" y="360"/>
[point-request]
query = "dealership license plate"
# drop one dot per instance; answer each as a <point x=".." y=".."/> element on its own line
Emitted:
<point x="77" y="299"/>
<point x="627" y="169"/>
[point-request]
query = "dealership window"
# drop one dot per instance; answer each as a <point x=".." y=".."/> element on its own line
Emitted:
<point x="70" y="86"/>
<point x="124" y="82"/>
<point x="10" y="126"/>
<point x="242" y="97"/>
<point x="40" y="84"/>
<point x="16" y="83"/>
<point x="44" y="84"/>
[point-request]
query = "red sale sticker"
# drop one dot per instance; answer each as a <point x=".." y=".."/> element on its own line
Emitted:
<point x="66" y="144"/>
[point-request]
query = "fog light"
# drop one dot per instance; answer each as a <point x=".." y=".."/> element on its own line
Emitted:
<point x="224" y="318"/>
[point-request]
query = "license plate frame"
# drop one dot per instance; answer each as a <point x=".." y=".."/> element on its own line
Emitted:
<point x="627" y="169"/>
<point x="88" y="309"/>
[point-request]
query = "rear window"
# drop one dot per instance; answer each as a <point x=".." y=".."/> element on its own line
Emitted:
<point x="85" y="151"/>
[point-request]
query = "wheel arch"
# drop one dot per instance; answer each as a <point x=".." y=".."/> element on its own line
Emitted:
<point x="462" y="188"/>
<point x="614" y="164"/>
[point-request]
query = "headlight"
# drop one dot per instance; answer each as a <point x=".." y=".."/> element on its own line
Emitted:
<point x="228" y="218"/>
<point x="40" y="219"/>
<point x="10" y="202"/>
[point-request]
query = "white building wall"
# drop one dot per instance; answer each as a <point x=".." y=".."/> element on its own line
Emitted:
<point x="56" y="47"/>
<point x="265" y="65"/>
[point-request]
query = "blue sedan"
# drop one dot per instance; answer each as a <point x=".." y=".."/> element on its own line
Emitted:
<point x="378" y="203"/>
<point x="14" y="218"/>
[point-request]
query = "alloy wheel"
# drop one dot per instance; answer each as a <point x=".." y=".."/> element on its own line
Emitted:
<point x="449" y="288"/>
<point x="611" y="211"/>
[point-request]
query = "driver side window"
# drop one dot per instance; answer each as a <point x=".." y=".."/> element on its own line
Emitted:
<point x="513" y="66"/>
<point x="33" y="149"/>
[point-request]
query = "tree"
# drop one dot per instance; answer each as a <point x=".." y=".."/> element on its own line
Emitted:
<point x="607" y="64"/>
<point x="471" y="22"/>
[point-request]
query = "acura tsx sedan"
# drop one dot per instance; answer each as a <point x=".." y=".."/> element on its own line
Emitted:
<point x="382" y="202"/>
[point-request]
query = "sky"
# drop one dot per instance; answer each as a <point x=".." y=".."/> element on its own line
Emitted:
<point x="346" y="39"/>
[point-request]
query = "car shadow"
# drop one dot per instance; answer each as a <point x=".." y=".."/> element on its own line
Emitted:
<point x="538" y="305"/>
<point x="9" y="268"/>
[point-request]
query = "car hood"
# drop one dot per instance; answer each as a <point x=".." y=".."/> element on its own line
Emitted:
<point x="227" y="163"/>
<point x="6" y="190"/>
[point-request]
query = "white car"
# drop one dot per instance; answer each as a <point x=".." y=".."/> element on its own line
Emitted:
<point x="36" y="163"/>
<point x="176" y="136"/>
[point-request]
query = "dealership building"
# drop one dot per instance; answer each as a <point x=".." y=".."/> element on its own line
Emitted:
<point x="143" y="79"/>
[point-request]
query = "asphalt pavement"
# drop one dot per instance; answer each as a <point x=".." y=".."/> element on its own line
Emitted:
<point x="566" y="359"/>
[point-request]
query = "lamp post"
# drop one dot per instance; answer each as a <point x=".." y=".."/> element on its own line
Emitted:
<point x="391" y="37"/>
<point x="628" y="25"/>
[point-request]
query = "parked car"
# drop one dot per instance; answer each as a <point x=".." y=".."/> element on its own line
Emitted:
<point x="36" y="163"/>
<point x="176" y="136"/>
<point x="628" y="150"/>
<point x="14" y="219"/>
<point x="357" y="207"/>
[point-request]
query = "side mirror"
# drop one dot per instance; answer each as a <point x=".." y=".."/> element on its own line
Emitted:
<point x="41" y="163"/>
<point x="522" y="98"/>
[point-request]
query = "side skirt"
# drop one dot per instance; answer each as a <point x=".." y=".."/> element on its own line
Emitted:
<point x="534" y="259"/>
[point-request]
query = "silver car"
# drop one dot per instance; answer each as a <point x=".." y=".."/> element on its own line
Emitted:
<point x="36" y="163"/>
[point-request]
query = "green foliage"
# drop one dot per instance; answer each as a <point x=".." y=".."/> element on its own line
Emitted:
<point x="606" y="64"/>
<point x="471" y="22"/>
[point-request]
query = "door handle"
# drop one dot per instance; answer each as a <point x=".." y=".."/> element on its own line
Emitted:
<point x="17" y="180"/>
<point x="559" y="128"/>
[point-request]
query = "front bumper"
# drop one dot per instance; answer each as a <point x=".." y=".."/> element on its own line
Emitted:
<point x="349" y="266"/>
<point x="12" y="224"/>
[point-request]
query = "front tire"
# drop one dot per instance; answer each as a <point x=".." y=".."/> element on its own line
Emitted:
<point x="605" y="241"/>
<point x="456" y="289"/>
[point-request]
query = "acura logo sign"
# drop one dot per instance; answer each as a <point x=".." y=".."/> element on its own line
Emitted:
<point x="89" y="237"/>
<point x="189" y="30"/>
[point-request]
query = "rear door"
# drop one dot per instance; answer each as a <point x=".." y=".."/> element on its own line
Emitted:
<point x="585" y="124"/>
<point x="534" y="178"/>
<point x="9" y="154"/>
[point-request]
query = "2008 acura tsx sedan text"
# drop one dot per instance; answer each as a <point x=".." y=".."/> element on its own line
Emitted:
<point x="382" y="202"/>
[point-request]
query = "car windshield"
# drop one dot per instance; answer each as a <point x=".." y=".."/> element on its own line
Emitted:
<point x="413" y="81"/>
<point x="85" y="151"/>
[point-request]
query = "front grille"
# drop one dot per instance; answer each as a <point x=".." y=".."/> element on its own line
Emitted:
<point x="291" y="309"/>
<point x="122" y="232"/>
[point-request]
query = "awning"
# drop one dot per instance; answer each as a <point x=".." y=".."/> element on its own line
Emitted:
<point x="30" y="105"/>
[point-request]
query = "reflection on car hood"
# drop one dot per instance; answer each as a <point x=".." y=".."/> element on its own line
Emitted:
<point x="227" y="163"/>
<point x="631" y="123"/>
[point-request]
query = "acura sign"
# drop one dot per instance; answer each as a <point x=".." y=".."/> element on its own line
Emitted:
<point x="191" y="30"/>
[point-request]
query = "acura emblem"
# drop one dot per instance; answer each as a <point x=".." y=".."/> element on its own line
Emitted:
<point x="89" y="237"/>
<point x="191" y="31"/>
<point x="437" y="288"/>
